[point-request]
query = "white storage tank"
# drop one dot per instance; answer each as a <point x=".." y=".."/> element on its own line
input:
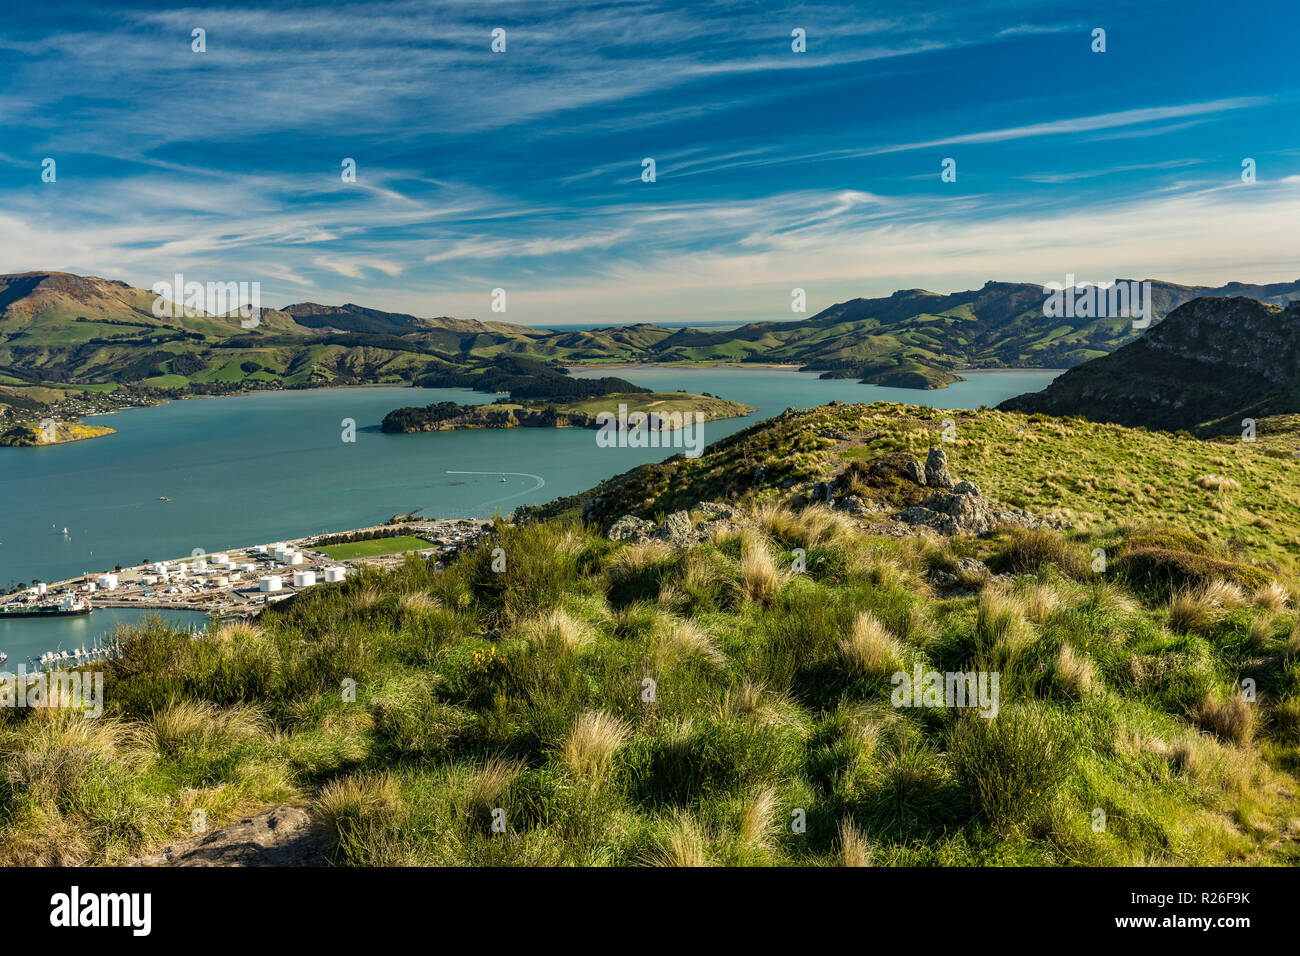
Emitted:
<point x="271" y="582"/>
<point x="220" y="559"/>
<point x="304" y="579"/>
<point x="248" y="568"/>
<point x="293" y="557"/>
<point x="335" y="574"/>
<point x="260" y="549"/>
<point x="108" y="581"/>
<point x="160" y="567"/>
<point x="40" y="587"/>
<point x="221" y="581"/>
<point x="200" y="564"/>
<point x="149" y="579"/>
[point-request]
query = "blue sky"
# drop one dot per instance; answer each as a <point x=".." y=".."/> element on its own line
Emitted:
<point x="522" y="169"/>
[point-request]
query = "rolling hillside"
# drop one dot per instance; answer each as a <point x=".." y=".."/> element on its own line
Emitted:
<point x="58" y="329"/>
<point x="680" y="699"/>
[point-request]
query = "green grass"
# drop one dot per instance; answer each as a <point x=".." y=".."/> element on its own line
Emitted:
<point x="373" y="547"/>
<point x="759" y="714"/>
<point x="1093" y="475"/>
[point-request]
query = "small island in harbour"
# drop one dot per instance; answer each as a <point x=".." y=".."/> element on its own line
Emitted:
<point x="662" y="410"/>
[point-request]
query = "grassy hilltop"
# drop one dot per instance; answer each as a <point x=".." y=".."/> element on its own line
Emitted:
<point x="525" y="690"/>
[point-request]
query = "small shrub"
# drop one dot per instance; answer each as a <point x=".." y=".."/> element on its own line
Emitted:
<point x="1009" y="765"/>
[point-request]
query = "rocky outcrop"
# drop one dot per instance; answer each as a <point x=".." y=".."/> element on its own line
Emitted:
<point x="677" y="529"/>
<point x="958" y="507"/>
<point x="281" y="836"/>
<point x="631" y="529"/>
<point x="936" y="470"/>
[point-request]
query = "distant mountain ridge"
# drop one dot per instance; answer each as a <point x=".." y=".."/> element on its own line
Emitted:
<point x="1211" y="363"/>
<point x="64" y="329"/>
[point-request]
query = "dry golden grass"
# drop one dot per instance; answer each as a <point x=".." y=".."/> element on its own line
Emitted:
<point x="558" y="627"/>
<point x="591" y="745"/>
<point x="236" y="632"/>
<point x="485" y="789"/>
<point x="1272" y="597"/>
<point x="1002" y="630"/>
<point x="1073" y="671"/>
<point x="870" y="649"/>
<point x="51" y="750"/>
<point x="684" y="844"/>
<point x="1226" y="594"/>
<point x="198" y="724"/>
<point x="811" y="525"/>
<point x="1195" y="609"/>
<point x="633" y="559"/>
<point x="758" y="826"/>
<point x="1040" y="601"/>
<point x="742" y="699"/>
<point x="363" y="598"/>
<point x="1232" y="720"/>
<point x="689" y="638"/>
<point x="700" y="572"/>
<point x="417" y="604"/>
<point x="1109" y="598"/>
<point x="1218" y="483"/>
<point x="356" y="799"/>
<point x="852" y="845"/>
<point x="760" y="579"/>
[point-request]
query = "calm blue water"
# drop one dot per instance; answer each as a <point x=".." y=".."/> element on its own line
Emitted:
<point x="255" y="468"/>
<point x="32" y="636"/>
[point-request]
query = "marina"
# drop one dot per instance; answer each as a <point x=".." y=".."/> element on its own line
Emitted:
<point x="232" y="584"/>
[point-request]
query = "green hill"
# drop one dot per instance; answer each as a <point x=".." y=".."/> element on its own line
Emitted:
<point x="1208" y="366"/>
<point x="729" y="691"/>
<point x="58" y="329"/>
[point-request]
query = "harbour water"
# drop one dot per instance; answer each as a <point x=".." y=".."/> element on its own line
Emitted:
<point x="27" y="637"/>
<point x="274" y="465"/>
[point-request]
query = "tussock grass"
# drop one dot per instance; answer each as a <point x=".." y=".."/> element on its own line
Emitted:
<point x="870" y="649"/>
<point x="1217" y="483"/>
<point x="684" y="844"/>
<point x="1196" y="609"/>
<point x="758" y="820"/>
<point x="1231" y="719"/>
<point x="1073" y="672"/>
<point x="522" y="691"/>
<point x="556" y="627"/>
<point x="854" y="850"/>
<point x="591" y="746"/>
<point x="760" y="579"/>
<point x="1272" y="597"/>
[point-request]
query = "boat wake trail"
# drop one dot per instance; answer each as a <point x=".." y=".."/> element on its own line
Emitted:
<point x="541" y="483"/>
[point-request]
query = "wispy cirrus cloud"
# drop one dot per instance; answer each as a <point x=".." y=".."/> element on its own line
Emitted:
<point x="523" y="169"/>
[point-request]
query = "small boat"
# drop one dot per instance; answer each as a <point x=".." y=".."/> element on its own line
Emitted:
<point x="65" y="530"/>
<point x="503" y="479"/>
<point x="163" y="498"/>
<point x="3" y="657"/>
